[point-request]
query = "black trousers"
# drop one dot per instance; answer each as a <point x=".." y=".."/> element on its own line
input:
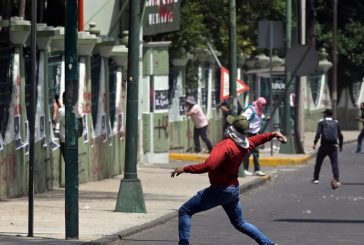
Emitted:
<point x="197" y="132"/>
<point x="332" y="152"/>
<point x="62" y="150"/>
<point x="255" y="154"/>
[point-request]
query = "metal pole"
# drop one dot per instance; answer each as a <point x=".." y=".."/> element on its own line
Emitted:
<point x="286" y="123"/>
<point x="334" y="60"/>
<point x="71" y="142"/>
<point x="131" y="197"/>
<point x="289" y="147"/>
<point x="81" y="24"/>
<point x="232" y="57"/>
<point x="299" y="106"/>
<point x="270" y="74"/>
<point x="33" y="89"/>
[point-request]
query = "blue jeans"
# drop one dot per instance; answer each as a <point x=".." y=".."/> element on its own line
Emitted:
<point x="228" y="198"/>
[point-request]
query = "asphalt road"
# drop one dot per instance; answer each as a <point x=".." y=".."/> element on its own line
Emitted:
<point x="290" y="210"/>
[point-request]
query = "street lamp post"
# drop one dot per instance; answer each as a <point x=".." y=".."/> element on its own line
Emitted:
<point x="288" y="148"/>
<point x="232" y="57"/>
<point x="71" y="142"/>
<point x="130" y="197"/>
<point x="334" y="60"/>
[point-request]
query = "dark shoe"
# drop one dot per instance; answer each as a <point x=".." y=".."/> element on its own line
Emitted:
<point x="335" y="184"/>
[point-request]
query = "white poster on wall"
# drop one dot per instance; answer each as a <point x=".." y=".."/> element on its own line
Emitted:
<point x="81" y="86"/>
<point x="52" y="140"/>
<point x="39" y="133"/>
<point x="118" y="104"/>
<point x="103" y="128"/>
<point x="14" y="107"/>
<point x="85" y="128"/>
<point x="101" y="125"/>
<point x="1" y="143"/>
<point x="120" y="121"/>
<point x="177" y="109"/>
<point x="62" y="83"/>
<point x="26" y="137"/>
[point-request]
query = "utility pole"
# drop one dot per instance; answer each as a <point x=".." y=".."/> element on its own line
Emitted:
<point x="300" y="81"/>
<point x="289" y="147"/>
<point x="334" y="59"/>
<point x="33" y="89"/>
<point x="71" y="142"/>
<point x="232" y="57"/>
<point x="131" y="197"/>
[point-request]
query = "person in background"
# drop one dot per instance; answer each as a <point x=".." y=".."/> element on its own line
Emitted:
<point x="222" y="167"/>
<point x="329" y="131"/>
<point x="56" y="106"/>
<point x="224" y="107"/>
<point x="361" y="134"/>
<point x="61" y="120"/>
<point x="255" y="116"/>
<point x="201" y="123"/>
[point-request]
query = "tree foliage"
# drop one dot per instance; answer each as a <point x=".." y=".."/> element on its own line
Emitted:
<point x="350" y="37"/>
<point x="208" y="21"/>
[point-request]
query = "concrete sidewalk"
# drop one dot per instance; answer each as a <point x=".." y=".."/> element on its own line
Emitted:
<point x="99" y="224"/>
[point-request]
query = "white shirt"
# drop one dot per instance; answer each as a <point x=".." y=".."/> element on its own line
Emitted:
<point x="255" y="123"/>
<point x="61" y="119"/>
<point x="198" y="117"/>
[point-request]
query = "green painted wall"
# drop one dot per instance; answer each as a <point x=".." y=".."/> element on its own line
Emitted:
<point x="160" y="58"/>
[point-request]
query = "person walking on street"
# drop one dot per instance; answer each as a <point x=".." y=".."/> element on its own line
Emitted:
<point x="361" y="134"/>
<point x="329" y="131"/>
<point x="60" y="118"/>
<point x="222" y="167"/>
<point x="255" y="116"/>
<point x="200" y="121"/>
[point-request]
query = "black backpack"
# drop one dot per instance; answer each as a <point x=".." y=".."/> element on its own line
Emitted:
<point x="329" y="130"/>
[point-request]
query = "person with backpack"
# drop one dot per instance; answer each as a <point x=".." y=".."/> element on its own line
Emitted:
<point x="255" y="116"/>
<point x="329" y="131"/>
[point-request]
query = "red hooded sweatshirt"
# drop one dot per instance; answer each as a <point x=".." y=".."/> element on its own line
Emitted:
<point x="225" y="159"/>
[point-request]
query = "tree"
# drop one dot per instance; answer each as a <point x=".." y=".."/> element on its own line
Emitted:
<point x="350" y="38"/>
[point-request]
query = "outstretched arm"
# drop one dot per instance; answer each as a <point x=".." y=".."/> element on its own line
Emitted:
<point x="260" y="139"/>
<point x="177" y="171"/>
<point x="217" y="156"/>
<point x="280" y="137"/>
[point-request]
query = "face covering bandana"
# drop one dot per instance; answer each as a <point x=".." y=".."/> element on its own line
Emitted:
<point x="238" y="138"/>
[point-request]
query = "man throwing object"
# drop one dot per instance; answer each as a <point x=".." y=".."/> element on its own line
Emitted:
<point x="222" y="167"/>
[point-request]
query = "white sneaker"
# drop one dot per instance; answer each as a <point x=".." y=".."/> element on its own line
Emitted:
<point x="260" y="173"/>
<point x="315" y="181"/>
<point x="247" y="173"/>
